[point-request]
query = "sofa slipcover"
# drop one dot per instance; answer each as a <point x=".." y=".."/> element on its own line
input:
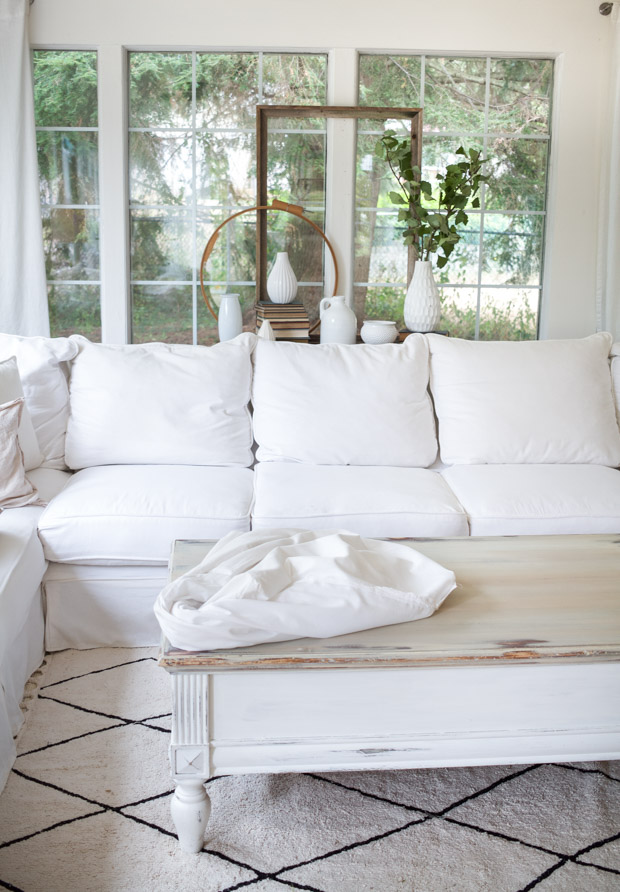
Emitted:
<point x="129" y="514"/>
<point x="509" y="500"/>
<point x="371" y="501"/>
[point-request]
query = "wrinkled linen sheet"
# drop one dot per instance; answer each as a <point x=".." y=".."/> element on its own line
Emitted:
<point x="275" y="585"/>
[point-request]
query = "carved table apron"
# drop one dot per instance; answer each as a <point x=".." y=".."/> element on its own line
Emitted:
<point x="521" y="663"/>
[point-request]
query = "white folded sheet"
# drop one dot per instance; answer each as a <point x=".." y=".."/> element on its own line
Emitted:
<point x="274" y="585"/>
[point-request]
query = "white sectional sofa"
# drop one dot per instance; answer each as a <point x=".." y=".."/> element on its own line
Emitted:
<point x="140" y="445"/>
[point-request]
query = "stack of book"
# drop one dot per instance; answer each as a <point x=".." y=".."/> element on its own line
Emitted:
<point x="289" y="321"/>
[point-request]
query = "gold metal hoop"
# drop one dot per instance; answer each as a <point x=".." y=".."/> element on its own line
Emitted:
<point x="275" y="205"/>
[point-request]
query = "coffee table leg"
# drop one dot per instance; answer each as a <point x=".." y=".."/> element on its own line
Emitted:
<point x="190" y="809"/>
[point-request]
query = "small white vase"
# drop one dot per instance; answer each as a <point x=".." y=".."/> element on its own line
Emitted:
<point x="338" y="321"/>
<point x="378" y="331"/>
<point x="422" y="304"/>
<point x="282" y="281"/>
<point x="229" y="318"/>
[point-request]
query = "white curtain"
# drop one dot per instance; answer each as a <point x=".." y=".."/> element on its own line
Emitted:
<point x="608" y="284"/>
<point x="23" y="292"/>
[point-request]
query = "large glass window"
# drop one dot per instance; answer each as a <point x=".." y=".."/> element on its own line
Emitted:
<point x="65" y="94"/>
<point x="192" y="159"/>
<point x="492" y="284"/>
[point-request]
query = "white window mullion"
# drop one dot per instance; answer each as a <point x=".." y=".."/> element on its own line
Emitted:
<point x="113" y="191"/>
<point x="485" y="142"/>
<point x="342" y="84"/>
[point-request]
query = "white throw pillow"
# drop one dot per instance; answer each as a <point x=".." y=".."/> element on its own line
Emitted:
<point x="531" y="402"/>
<point x="11" y="389"/>
<point x="335" y="404"/>
<point x="15" y="488"/>
<point x="43" y="372"/>
<point x="161" y="404"/>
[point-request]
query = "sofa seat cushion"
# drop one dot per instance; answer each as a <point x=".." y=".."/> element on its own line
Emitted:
<point x="130" y="514"/>
<point x="371" y="501"/>
<point x="507" y="500"/>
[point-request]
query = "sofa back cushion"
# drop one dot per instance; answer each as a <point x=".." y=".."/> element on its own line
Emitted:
<point x="334" y="404"/>
<point x="533" y="402"/>
<point x="161" y="404"/>
<point x="43" y="369"/>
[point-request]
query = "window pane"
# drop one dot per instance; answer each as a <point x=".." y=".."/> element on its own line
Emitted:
<point x="65" y="88"/>
<point x="459" y="307"/>
<point x="296" y="168"/>
<point x="226" y="90"/>
<point x="233" y="258"/>
<point x="71" y="243"/>
<point x="207" y="325"/>
<point x="380" y="255"/>
<point x="379" y="302"/>
<point x="509" y="314"/>
<point x="68" y="167"/>
<point x="161" y="245"/>
<point x="226" y="169"/>
<point x="294" y="79"/>
<point x="161" y="313"/>
<point x="512" y="250"/>
<point x="390" y="80"/>
<point x="160" y="89"/>
<point x="160" y="170"/>
<point x="518" y="174"/>
<point x="439" y="151"/>
<point x="454" y="94"/>
<point x="74" y="309"/>
<point x="520" y="95"/>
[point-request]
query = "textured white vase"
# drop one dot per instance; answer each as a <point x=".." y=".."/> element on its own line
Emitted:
<point x="229" y="318"/>
<point x="338" y="321"/>
<point x="422" y="304"/>
<point x="282" y="281"/>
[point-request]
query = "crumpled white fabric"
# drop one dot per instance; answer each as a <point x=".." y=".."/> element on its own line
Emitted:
<point x="275" y="585"/>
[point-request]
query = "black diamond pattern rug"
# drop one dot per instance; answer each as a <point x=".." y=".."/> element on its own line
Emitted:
<point x="87" y="808"/>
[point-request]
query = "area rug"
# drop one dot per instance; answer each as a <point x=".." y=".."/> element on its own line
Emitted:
<point x="87" y="808"/>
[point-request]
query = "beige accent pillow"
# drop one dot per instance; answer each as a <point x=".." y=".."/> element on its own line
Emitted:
<point x="15" y="488"/>
<point x="11" y="389"/>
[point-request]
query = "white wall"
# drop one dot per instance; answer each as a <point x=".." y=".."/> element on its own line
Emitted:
<point x="572" y="31"/>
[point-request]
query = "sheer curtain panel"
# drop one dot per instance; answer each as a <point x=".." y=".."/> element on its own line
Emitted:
<point x="23" y="290"/>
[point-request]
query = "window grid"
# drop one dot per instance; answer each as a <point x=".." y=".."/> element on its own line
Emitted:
<point x="193" y="209"/>
<point x="488" y="136"/>
<point x="59" y="281"/>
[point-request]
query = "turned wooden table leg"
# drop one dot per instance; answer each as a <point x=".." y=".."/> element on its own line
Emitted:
<point x="190" y="807"/>
<point x="189" y="758"/>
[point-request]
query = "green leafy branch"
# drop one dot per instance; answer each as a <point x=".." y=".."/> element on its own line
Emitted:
<point x="432" y="229"/>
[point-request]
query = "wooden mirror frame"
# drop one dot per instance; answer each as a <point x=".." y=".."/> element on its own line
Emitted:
<point x="264" y="113"/>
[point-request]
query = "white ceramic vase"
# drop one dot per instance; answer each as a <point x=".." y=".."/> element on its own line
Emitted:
<point x="422" y="304"/>
<point x="378" y="331"/>
<point x="229" y="318"/>
<point x="338" y="321"/>
<point x="282" y="281"/>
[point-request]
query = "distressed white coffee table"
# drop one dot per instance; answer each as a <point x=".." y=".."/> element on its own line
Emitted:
<point x="520" y="664"/>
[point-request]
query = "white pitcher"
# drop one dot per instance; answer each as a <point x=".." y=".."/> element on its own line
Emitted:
<point x="338" y="321"/>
